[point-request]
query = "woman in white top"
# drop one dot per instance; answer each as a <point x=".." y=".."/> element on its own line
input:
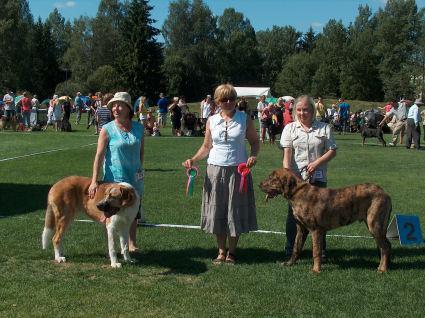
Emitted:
<point x="308" y="145"/>
<point x="226" y="212"/>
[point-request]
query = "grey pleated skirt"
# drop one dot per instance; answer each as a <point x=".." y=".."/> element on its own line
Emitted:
<point x="224" y="209"/>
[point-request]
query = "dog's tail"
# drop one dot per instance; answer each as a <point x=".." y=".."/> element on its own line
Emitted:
<point x="49" y="224"/>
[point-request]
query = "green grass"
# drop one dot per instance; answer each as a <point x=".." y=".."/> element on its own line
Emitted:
<point x="173" y="275"/>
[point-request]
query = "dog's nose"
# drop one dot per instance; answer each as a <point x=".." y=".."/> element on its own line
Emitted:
<point x="102" y="205"/>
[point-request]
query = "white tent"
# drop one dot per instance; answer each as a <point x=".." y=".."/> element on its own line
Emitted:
<point x="253" y="91"/>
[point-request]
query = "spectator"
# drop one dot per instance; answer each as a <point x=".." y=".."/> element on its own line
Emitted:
<point x="66" y="109"/>
<point x="141" y="110"/>
<point x="287" y="115"/>
<point x="150" y="123"/>
<point x="9" y="105"/>
<point x="79" y="105"/>
<point x="206" y="109"/>
<point x="243" y="105"/>
<point x="91" y="110"/>
<point x="120" y="148"/>
<point x="308" y="145"/>
<point x="26" y="110"/>
<point x="399" y="124"/>
<point x="265" y="122"/>
<point x="344" y="115"/>
<point x="176" y="117"/>
<point x="413" y="133"/>
<point x="163" y="109"/>
<point x="227" y="212"/>
<point x="57" y="113"/>
<point x="320" y="110"/>
<point x="35" y="104"/>
<point x="103" y="113"/>
<point x="262" y="104"/>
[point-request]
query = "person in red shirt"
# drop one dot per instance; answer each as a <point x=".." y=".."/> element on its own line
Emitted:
<point x="26" y="109"/>
<point x="287" y="115"/>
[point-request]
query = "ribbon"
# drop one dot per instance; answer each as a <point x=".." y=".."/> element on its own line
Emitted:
<point x="191" y="173"/>
<point x="243" y="170"/>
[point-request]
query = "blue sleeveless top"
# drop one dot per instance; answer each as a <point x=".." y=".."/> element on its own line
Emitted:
<point x="122" y="157"/>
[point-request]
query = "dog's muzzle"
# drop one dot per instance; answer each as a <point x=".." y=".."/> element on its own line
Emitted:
<point x="107" y="209"/>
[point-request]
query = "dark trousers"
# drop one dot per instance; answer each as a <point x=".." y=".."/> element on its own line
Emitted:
<point x="291" y="226"/>
<point x="413" y="134"/>
<point x="423" y="126"/>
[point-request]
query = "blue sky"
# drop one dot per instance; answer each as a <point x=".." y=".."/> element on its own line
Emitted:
<point x="263" y="14"/>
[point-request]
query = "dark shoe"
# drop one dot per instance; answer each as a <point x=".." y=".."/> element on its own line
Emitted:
<point x="230" y="259"/>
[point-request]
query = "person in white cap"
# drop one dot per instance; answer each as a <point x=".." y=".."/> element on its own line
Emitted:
<point x="412" y="126"/>
<point x="120" y="148"/>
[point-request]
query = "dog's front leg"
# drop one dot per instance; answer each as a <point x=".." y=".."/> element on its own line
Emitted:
<point x="317" y="237"/>
<point x="124" y="246"/>
<point x="300" y="238"/>
<point x="111" y="247"/>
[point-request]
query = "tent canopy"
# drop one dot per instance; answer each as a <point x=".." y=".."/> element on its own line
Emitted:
<point x="252" y="91"/>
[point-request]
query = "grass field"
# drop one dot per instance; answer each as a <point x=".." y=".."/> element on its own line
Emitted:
<point x="173" y="275"/>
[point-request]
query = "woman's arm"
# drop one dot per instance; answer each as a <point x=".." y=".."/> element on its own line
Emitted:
<point x="204" y="150"/>
<point x="252" y="137"/>
<point x="287" y="158"/>
<point x="98" y="160"/>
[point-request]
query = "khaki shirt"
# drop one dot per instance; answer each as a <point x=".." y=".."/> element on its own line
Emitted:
<point x="308" y="146"/>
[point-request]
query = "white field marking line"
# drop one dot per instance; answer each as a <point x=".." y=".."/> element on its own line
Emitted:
<point x="197" y="227"/>
<point x="44" y="152"/>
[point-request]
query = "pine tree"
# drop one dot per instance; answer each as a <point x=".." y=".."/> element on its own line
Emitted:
<point x="140" y="55"/>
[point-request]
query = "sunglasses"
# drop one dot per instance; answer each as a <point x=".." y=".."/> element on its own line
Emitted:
<point x="226" y="100"/>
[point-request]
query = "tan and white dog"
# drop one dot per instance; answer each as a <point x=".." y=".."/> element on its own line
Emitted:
<point x="115" y="204"/>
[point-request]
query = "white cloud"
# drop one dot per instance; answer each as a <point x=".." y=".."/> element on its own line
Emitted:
<point x="316" y="25"/>
<point x="66" y="4"/>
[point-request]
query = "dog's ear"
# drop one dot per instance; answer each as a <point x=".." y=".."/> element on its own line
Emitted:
<point x="289" y="182"/>
<point x="127" y="196"/>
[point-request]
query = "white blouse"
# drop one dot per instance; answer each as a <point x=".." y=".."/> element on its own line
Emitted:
<point x="228" y="140"/>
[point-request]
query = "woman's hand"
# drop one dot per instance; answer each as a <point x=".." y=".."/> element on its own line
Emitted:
<point x="311" y="167"/>
<point x="251" y="161"/>
<point x="92" y="189"/>
<point x="188" y="163"/>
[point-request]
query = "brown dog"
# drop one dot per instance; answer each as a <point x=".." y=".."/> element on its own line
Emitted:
<point x="115" y="204"/>
<point x="318" y="210"/>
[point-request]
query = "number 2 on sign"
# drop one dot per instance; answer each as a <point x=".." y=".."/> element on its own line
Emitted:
<point x="409" y="226"/>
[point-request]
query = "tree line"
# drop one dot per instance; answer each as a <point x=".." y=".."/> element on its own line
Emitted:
<point x="379" y="56"/>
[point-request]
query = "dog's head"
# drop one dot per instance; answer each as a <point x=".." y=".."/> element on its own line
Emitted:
<point x="280" y="181"/>
<point x="116" y="197"/>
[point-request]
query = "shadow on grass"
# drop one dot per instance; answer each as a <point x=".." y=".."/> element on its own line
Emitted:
<point x="194" y="261"/>
<point x="17" y="199"/>
<point x="401" y="258"/>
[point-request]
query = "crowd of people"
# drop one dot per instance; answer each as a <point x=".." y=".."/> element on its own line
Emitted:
<point x="16" y="112"/>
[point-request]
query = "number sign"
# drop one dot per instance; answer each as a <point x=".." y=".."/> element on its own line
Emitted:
<point x="406" y="228"/>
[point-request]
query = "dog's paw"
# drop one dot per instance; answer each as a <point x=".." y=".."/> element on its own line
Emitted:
<point x="60" y="259"/>
<point x="116" y="265"/>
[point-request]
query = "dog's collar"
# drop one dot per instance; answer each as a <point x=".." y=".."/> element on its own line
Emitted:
<point x="297" y="189"/>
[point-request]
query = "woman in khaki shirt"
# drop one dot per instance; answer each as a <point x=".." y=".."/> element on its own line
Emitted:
<point x="308" y="145"/>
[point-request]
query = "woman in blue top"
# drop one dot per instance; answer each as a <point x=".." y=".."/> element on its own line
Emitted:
<point x="121" y="149"/>
<point x="226" y="212"/>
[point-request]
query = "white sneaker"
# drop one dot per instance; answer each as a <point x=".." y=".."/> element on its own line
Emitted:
<point x="391" y="144"/>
